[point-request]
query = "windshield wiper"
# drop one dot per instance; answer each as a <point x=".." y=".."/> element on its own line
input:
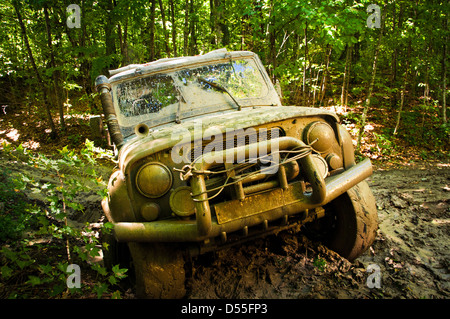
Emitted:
<point x="221" y="88"/>
<point x="178" y="115"/>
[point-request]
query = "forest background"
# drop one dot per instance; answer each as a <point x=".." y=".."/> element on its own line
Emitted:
<point x="388" y="82"/>
<point x="322" y="53"/>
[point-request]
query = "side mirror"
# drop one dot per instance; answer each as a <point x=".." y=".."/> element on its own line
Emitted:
<point x="96" y="125"/>
<point x="98" y="130"/>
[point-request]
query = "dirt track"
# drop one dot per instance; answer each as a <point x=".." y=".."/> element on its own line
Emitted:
<point x="410" y="253"/>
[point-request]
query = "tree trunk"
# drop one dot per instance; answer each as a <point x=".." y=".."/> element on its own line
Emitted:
<point x="271" y="38"/>
<point x="426" y="90"/>
<point x="315" y="87"/>
<point x="225" y="32"/>
<point x="344" y="92"/>
<point x="110" y="42"/>
<point x="372" y="82"/>
<point x="186" y="27"/>
<point x="126" y="59"/>
<point x="347" y="84"/>
<point x="123" y="39"/>
<point x="243" y="31"/>
<point x="174" y="28"/>
<point x="166" y="34"/>
<point x="326" y="75"/>
<point x="272" y="53"/>
<point x="85" y="63"/>
<point x="312" y="84"/>
<point x="55" y="72"/>
<point x="304" y="63"/>
<point x="192" y="32"/>
<point x="395" y="31"/>
<point x="444" y="75"/>
<point x="23" y="29"/>
<point x="402" y="94"/>
<point x="402" y="100"/>
<point x="152" y="30"/>
<point x="213" y="22"/>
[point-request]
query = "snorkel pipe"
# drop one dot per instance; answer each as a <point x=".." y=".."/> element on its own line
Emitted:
<point x="103" y="86"/>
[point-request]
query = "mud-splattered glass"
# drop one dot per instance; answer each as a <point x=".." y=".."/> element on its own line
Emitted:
<point x="146" y="95"/>
<point x="241" y="78"/>
<point x="160" y="94"/>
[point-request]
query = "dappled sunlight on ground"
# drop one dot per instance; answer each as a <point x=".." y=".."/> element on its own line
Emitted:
<point x="32" y="131"/>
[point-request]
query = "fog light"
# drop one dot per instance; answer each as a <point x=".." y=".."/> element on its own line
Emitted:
<point x="334" y="161"/>
<point x="154" y="180"/>
<point x="150" y="211"/>
<point x="181" y="201"/>
<point x="321" y="165"/>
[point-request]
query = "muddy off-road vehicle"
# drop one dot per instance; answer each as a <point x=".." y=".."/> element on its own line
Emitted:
<point x="208" y="157"/>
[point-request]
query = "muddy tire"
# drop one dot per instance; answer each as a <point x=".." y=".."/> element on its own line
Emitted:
<point x="115" y="253"/>
<point x="351" y="222"/>
<point x="159" y="270"/>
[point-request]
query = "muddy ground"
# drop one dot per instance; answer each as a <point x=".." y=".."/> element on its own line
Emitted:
<point x="411" y="252"/>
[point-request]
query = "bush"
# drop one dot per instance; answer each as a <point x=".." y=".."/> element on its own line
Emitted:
<point x="36" y="265"/>
<point x="13" y="210"/>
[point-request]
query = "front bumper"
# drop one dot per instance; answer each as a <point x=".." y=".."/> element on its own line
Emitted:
<point x="279" y="204"/>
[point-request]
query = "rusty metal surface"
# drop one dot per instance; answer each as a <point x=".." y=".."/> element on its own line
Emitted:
<point x="284" y="143"/>
<point x="168" y="136"/>
<point x="103" y="86"/>
<point x="259" y="203"/>
<point x="180" y="200"/>
<point x="175" y="231"/>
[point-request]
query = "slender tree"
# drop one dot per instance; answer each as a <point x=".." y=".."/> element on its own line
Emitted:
<point x="152" y="30"/>
<point x="174" y="28"/>
<point x="345" y="80"/>
<point x="371" y="85"/>
<point x="166" y="34"/>
<point x="55" y="71"/>
<point x="444" y="72"/>
<point x="402" y="92"/>
<point x="23" y="29"/>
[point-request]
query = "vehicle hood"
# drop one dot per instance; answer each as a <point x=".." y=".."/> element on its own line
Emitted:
<point x="170" y="135"/>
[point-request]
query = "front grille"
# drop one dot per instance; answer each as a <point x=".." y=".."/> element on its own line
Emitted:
<point x="235" y="139"/>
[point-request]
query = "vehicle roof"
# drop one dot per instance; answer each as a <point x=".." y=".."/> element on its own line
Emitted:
<point x="172" y="63"/>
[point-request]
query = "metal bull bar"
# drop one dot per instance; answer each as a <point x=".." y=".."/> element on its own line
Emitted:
<point x="205" y="226"/>
<point x="198" y="185"/>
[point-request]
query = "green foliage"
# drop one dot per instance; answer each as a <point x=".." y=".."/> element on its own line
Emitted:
<point x="13" y="211"/>
<point x="116" y="33"/>
<point x="320" y="263"/>
<point x="26" y="259"/>
<point x="384" y="143"/>
<point x="303" y="44"/>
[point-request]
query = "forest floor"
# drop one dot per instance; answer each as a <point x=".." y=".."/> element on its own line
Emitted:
<point x="411" y="251"/>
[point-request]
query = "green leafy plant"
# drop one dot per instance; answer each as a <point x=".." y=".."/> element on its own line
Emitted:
<point x="320" y="263"/>
<point x="24" y="259"/>
<point x="384" y="143"/>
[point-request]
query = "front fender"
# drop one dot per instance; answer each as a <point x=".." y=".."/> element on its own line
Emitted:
<point x="117" y="206"/>
<point x="348" y="151"/>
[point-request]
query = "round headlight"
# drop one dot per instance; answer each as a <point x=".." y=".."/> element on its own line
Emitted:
<point x="323" y="133"/>
<point x="154" y="180"/>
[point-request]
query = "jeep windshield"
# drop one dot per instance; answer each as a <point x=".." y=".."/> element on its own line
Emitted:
<point x="163" y="97"/>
